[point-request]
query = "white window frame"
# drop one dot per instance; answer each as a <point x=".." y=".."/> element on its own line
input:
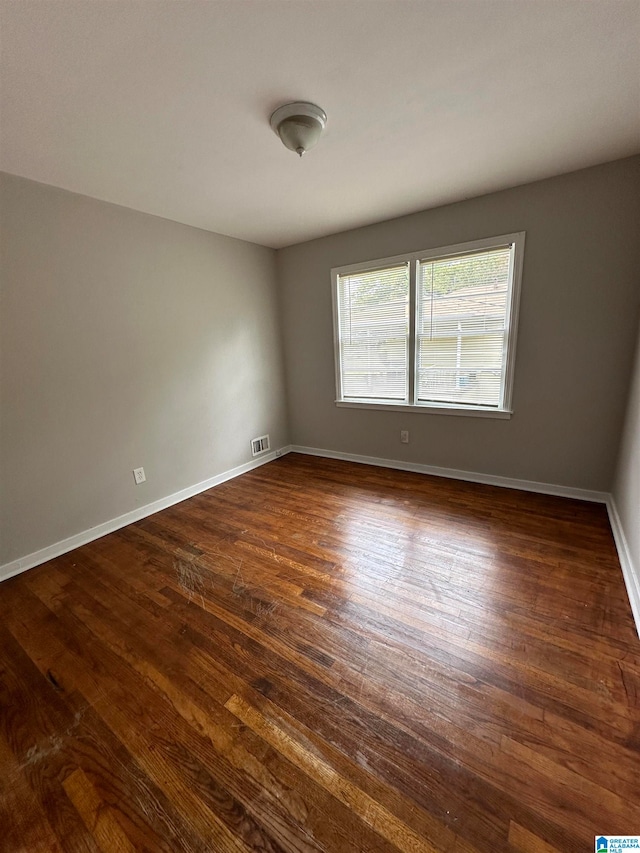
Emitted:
<point x="504" y="410"/>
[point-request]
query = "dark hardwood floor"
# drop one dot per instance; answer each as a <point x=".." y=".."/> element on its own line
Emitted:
<point x="323" y="656"/>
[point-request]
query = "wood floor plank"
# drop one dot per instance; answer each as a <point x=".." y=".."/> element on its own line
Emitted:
<point x="25" y="827"/>
<point x="148" y="818"/>
<point x="280" y="799"/>
<point x="324" y="657"/>
<point x="95" y="813"/>
<point x="357" y="800"/>
<point x="523" y="841"/>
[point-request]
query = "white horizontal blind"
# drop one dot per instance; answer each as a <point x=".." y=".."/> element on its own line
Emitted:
<point x="373" y="329"/>
<point x="462" y="328"/>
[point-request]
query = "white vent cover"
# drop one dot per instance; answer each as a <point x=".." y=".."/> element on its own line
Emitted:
<point x="260" y="445"/>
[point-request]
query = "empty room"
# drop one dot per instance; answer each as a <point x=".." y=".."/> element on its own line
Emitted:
<point x="320" y="426"/>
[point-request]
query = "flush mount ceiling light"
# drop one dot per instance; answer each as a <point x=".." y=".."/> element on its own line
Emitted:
<point x="299" y="125"/>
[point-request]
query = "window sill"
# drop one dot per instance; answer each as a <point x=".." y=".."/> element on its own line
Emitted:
<point x="474" y="412"/>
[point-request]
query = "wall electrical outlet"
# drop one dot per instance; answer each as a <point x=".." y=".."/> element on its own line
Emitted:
<point x="404" y="436"/>
<point x="139" y="476"/>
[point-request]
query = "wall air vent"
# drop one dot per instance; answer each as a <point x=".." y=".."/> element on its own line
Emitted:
<point x="260" y="445"/>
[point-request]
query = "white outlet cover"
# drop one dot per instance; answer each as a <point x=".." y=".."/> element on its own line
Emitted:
<point x="139" y="475"/>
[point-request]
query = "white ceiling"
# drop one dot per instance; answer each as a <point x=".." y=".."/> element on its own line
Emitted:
<point x="163" y="105"/>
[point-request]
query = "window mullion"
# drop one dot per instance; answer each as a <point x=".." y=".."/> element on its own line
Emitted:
<point x="411" y="354"/>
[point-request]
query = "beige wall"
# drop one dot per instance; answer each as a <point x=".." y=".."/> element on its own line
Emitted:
<point x="575" y="343"/>
<point x="127" y="340"/>
<point x="626" y="490"/>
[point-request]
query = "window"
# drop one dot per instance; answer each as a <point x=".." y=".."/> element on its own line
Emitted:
<point x="430" y="330"/>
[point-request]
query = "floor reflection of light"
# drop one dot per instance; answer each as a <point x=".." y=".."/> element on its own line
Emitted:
<point x="434" y="570"/>
<point x="432" y="590"/>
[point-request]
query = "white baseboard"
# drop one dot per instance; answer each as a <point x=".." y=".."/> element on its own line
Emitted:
<point x="630" y="573"/>
<point x="455" y="474"/>
<point x="15" y="567"/>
